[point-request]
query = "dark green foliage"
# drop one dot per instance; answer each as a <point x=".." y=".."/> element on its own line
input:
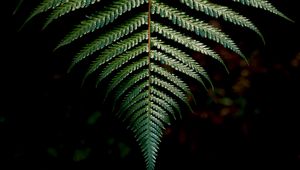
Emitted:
<point x="141" y="58"/>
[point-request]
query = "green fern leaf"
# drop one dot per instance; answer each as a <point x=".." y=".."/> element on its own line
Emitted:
<point x="226" y="13"/>
<point x="161" y="95"/>
<point x="182" y="57"/>
<point x="108" y="38"/>
<point x="171" y="77"/>
<point x="131" y="96"/>
<point x="199" y="27"/>
<point x="164" y="105"/>
<point x="135" y="48"/>
<point x="158" y="56"/>
<point x="188" y="42"/>
<point x="130" y="83"/>
<point x="123" y="59"/>
<point x="102" y="18"/>
<point x="113" y="51"/>
<point x="67" y="7"/>
<point x="171" y="88"/>
<point x="265" y="5"/>
<point x="45" y="6"/>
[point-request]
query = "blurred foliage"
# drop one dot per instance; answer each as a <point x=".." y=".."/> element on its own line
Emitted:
<point x="81" y="154"/>
<point x="92" y="120"/>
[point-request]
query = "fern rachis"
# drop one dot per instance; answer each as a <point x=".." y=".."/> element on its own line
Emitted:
<point x="136" y="47"/>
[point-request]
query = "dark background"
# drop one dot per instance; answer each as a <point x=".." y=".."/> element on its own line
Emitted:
<point x="47" y="120"/>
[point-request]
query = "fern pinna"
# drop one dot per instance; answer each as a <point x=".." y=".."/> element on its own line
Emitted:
<point x="136" y="48"/>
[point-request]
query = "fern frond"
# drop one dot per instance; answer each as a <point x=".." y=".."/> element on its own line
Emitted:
<point x="135" y="116"/>
<point x="171" y="77"/>
<point x="161" y="95"/>
<point x="265" y="5"/>
<point x="139" y="54"/>
<point x="124" y="73"/>
<point x="171" y="88"/>
<point x="148" y="130"/>
<point x="101" y="19"/>
<point x="186" y="41"/>
<point x="161" y="114"/>
<point x="164" y="59"/>
<point x="164" y="104"/>
<point x="139" y="98"/>
<point x="182" y="57"/>
<point x="130" y="83"/>
<point x="45" y="6"/>
<point x="199" y="27"/>
<point x="109" y="37"/>
<point x="216" y="11"/>
<point x="123" y="59"/>
<point x="131" y="110"/>
<point x="67" y="7"/>
<point x="113" y="51"/>
<point x="132" y="94"/>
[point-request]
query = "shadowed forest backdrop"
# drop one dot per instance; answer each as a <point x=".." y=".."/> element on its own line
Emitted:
<point x="252" y="119"/>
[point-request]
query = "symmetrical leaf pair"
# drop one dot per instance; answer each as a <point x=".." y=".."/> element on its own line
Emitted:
<point x="136" y="47"/>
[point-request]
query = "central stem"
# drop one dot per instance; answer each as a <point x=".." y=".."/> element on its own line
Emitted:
<point x="149" y="52"/>
<point x="149" y="151"/>
<point x="149" y="45"/>
<point x="149" y="32"/>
